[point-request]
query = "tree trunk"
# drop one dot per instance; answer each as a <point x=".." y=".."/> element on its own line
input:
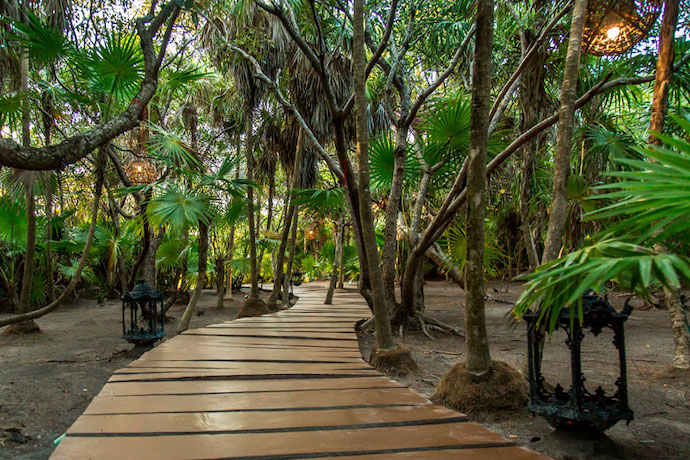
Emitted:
<point x="150" y="260"/>
<point x="231" y="254"/>
<point x="249" y="140"/>
<point x="478" y="353"/>
<point x="29" y="254"/>
<point x="341" y="263"/>
<point x="532" y="96"/>
<point x="100" y="172"/>
<point x="291" y="258"/>
<point x="145" y="240"/>
<point x="183" y="325"/>
<point x="384" y="336"/>
<point x="664" y="69"/>
<point x="220" y="281"/>
<point x="566" y="121"/>
<point x="269" y="212"/>
<point x="337" y="255"/>
<point x="293" y="180"/>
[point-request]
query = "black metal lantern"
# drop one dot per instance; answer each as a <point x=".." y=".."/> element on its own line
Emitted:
<point x="577" y="408"/>
<point x="142" y="315"/>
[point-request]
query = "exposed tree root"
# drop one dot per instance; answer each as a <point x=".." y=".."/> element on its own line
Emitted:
<point x="24" y="327"/>
<point x="397" y="361"/>
<point x="502" y="388"/>
<point x="253" y="307"/>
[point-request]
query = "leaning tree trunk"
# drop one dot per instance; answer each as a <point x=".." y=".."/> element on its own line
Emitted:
<point x="478" y="353"/>
<point x="201" y="276"/>
<point x="564" y="134"/>
<point x="100" y="172"/>
<point x="384" y="336"/>
<point x="532" y="94"/>
<point x="664" y="69"/>
<point x="340" y="228"/>
<point x="249" y="143"/>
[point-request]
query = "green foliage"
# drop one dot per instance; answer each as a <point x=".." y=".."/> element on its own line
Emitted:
<point x="41" y="42"/>
<point x="651" y="208"/>
<point x="169" y="148"/>
<point x="325" y="202"/>
<point x="382" y="163"/>
<point x="179" y="207"/>
<point x="115" y="67"/>
<point x="561" y="283"/>
<point x="494" y="257"/>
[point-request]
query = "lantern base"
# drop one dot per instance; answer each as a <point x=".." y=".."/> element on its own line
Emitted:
<point x="143" y="340"/>
<point x="591" y="416"/>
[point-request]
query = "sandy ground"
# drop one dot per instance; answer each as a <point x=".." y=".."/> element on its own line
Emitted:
<point x="659" y="396"/>
<point x="47" y="380"/>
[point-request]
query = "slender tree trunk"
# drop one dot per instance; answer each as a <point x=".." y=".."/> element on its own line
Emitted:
<point x="291" y="258"/>
<point x="384" y="336"/>
<point x="478" y="354"/>
<point x="566" y="121"/>
<point x="220" y="281"/>
<point x="183" y="325"/>
<point x="293" y="180"/>
<point x="269" y="211"/>
<point x="29" y="254"/>
<point x="341" y="263"/>
<point x="150" y="260"/>
<point x="145" y="241"/>
<point x="249" y="140"/>
<point x="100" y="172"/>
<point x="532" y="96"/>
<point x="664" y="69"/>
<point x="50" y="275"/>
<point x="231" y="254"/>
<point x="340" y="228"/>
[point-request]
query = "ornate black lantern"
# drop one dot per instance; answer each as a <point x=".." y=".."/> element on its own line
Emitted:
<point x="577" y="408"/>
<point x="142" y="315"/>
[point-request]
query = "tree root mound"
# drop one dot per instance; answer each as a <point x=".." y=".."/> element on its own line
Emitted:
<point x="253" y="307"/>
<point x="397" y="361"/>
<point x="501" y="389"/>
<point x="24" y="327"/>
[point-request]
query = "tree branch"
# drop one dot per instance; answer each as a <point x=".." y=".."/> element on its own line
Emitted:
<point x="75" y="148"/>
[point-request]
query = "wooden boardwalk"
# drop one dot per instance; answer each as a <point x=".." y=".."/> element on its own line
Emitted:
<point x="283" y="386"/>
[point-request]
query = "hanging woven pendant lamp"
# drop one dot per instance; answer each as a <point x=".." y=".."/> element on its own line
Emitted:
<point x="141" y="171"/>
<point x="615" y="26"/>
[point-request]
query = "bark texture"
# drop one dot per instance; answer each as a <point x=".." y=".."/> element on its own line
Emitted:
<point x="664" y="69"/>
<point x="183" y="325"/>
<point x="564" y="134"/>
<point x="384" y="336"/>
<point x="478" y="353"/>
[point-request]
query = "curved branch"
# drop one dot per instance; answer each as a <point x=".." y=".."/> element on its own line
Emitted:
<point x="75" y="148"/>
